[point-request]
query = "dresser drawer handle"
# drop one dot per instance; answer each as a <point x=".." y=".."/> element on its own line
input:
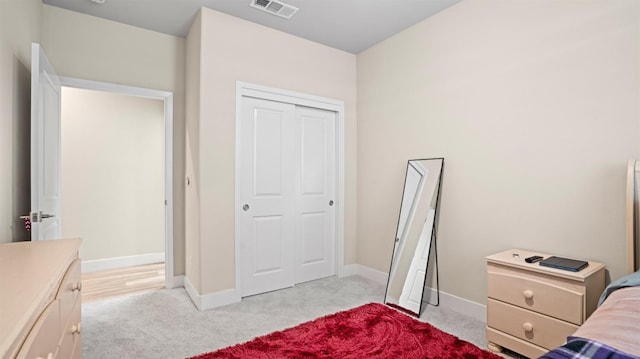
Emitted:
<point x="528" y="294"/>
<point x="528" y="327"/>
<point x="75" y="329"/>
<point x="76" y="286"/>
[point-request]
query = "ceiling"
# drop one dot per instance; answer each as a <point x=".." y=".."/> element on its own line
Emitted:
<point x="348" y="25"/>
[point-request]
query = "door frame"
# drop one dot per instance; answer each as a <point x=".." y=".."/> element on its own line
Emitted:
<point x="245" y="89"/>
<point x="167" y="98"/>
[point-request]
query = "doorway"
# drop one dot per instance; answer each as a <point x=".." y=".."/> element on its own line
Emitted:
<point x="117" y="175"/>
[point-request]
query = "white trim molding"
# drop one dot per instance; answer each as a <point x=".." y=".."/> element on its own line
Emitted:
<point x="244" y="89"/>
<point x="375" y="275"/>
<point x="448" y="301"/>
<point x="121" y="262"/>
<point x="211" y="300"/>
<point x="175" y="282"/>
<point x="167" y="97"/>
<point x="458" y="304"/>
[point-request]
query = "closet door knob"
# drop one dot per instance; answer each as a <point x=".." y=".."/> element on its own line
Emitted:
<point x="245" y="207"/>
<point x="331" y="202"/>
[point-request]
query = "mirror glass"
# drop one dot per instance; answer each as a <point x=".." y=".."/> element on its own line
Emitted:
<point x="415" y="235"/>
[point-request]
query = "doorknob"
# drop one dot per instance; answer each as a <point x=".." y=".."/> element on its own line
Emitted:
<point x="46" y="215"/>
<point x="38" y="216"/>
<point x="331" y="202"/>
<point x="245" y="207"/>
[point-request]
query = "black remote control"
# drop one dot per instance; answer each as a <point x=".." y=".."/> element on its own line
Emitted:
<point x="533" y="259"/>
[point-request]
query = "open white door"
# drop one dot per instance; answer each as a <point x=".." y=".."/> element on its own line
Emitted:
<point x="45" y="147"/>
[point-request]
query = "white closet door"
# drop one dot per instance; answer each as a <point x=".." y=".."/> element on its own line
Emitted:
<point x="267" y="188"/>
<point x="315" y="194"/>
<point x="287" y="194"/>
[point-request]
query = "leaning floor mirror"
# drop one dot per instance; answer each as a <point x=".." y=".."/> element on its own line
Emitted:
<point x="415" y="235"/>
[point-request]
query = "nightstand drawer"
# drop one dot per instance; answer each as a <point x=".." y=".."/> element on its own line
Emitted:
<point x="537" y="295"/>
<point x="527" y="325"/>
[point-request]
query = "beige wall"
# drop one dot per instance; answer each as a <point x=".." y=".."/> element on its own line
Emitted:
<point x="192" y="153"/>
<point x="19" y="26"/>
<point x="233" y="49"/>
<point x="535" y="107"/>
<point x="112" y="173"/>
<point x="96" y="49"/>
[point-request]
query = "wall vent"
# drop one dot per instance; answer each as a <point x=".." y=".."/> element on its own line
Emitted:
<point x="274" y="7"/>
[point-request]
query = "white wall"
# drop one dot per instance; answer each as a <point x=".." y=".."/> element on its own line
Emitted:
<point x="112" y="173"/>
<point x="92" y="48"/>
<point x="19" y="26"/>
<point x="535" y="107"/>
<point x="233" y="49"/>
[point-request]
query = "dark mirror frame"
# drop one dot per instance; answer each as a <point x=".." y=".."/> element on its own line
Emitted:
<point x="400" y="249"/>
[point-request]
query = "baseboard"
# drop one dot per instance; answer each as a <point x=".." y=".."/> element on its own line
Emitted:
<point x="192" y="292"/>
<point x="458" y="304"/>
<point x="365" y="272"/>
<point x="211" y="300"/>
<point x="121" y="262"/>
<point x="449" y="301"/>
<point x="175" y="282"/>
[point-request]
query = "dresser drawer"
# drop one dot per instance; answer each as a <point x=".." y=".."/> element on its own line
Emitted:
<point x="77" y="348"/>
<point x="538" y="329"/>
<point x="537" y="295"/>
<point x="42" y="341"/>
<point x="69" y="290"/>
<point x="71" y="331"/>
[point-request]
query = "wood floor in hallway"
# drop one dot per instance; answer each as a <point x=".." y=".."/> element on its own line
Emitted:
<point x="123" y="281"/>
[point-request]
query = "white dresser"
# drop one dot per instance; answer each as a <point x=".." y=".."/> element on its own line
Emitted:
<point x="40" y="299"/>
<point x="531" y="308"/>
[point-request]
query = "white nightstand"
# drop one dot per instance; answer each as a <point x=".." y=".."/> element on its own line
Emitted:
<point x="531" y="308"/>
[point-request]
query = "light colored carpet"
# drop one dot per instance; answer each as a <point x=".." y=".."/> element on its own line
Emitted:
<point x="165" y="324"/>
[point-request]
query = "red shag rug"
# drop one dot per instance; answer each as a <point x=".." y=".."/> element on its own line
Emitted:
<point x="369" y="331"/>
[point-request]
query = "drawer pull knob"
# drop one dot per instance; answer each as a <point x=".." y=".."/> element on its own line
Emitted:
<point x="75" y="329"/>
<point x="528" y="327"/>
<point x="76" y="286"/>
<point x="528" y="294"/>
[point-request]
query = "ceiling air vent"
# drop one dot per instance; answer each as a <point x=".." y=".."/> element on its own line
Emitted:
<point x="274" y="7"/>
